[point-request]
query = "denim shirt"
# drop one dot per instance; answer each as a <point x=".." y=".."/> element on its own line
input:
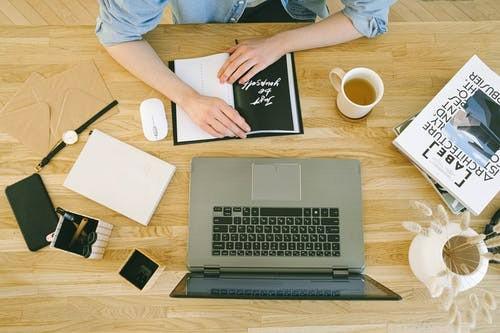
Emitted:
<point x="127" y="20"/>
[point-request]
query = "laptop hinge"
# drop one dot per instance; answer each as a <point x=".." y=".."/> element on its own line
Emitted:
<point x="211" y="271"/>
<point x="340" y="272"/>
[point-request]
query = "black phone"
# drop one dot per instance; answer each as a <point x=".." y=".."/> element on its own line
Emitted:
<point x="33" y="209"/>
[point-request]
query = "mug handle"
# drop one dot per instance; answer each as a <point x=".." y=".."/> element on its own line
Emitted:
<point x="336" y="76"/>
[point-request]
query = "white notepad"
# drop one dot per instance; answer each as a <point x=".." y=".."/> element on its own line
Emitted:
<point x="120" y="177"/>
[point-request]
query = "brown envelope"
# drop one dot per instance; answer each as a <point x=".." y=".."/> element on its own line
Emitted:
<point x="24" y="96"/>
<point x="30" y="125"/>
<point x="23" y="118"/>
<point x="67" y="100"/>
<point x="73" y="96"/>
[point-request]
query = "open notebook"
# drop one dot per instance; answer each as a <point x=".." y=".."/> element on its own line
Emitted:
<point x="269" y="102"/>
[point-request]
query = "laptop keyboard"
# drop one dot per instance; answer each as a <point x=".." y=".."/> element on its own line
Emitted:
<point x="274" y="292"/>
<point x="267" y="231"/>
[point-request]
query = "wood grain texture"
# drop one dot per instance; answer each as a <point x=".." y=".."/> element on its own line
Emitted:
<point x="51" y="291"/>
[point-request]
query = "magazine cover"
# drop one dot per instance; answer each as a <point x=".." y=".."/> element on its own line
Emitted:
<point x="455" y="139"/>
<point x="453" y="204"/>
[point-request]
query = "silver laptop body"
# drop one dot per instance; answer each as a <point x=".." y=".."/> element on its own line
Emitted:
<point x="282" y="196"/>
<point x="267" y="182"/>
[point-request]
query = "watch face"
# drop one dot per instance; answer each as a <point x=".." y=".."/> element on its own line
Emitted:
<point x="70" y="137"/>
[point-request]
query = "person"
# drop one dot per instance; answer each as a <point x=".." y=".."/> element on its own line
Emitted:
<point x="122" y="23"/>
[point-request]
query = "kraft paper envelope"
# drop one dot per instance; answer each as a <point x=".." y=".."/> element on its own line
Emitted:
<point x="21" y="118"/>
<point x="30" y="125"/>
<point x="71" y="98"/>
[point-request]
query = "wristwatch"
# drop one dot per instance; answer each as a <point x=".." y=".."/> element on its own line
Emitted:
<point x="71" y="137"/>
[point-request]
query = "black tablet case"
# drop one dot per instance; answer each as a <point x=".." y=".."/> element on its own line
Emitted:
<point x="33" y="210"/>
<point x="171" y="65"/>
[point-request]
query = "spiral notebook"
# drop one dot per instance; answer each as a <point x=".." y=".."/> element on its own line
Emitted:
<point x="269" y="102"/>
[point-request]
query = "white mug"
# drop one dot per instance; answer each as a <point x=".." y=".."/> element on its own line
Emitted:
<point x="338" y="78"/>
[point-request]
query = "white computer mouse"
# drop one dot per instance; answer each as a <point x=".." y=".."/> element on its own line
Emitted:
<point x="154" y="120"/>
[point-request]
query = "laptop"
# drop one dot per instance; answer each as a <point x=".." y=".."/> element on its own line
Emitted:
<point x="277" y="229"/>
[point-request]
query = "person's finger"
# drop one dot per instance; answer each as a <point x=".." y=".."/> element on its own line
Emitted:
<point x="236" y="52"/>
<point x="232" y="48"/>
<point x="255" y="69"/>
<point x="210" y="130"/>
<point x="235" y="117"/>
<point x="233" y="65"/>
<point x="241" y="70"/>
<point x="239" y="50"/>
<point x="219" y="127"/>
<point x="228" y="123"/>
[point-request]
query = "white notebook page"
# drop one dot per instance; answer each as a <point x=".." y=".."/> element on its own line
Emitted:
<point x="201" y="75"/>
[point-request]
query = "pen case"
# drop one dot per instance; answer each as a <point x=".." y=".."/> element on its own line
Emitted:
<point x="81" y="235"/>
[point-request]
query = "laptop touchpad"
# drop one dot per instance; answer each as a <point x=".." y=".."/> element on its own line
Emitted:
<point x="278" y="181"/>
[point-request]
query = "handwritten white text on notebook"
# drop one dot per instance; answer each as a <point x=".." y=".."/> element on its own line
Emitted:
<point x="264" y="93"/>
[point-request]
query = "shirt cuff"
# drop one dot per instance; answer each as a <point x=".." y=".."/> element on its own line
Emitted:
<point x="366" y="25"/>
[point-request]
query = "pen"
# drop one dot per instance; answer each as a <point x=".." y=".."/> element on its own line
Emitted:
<point x="79" y="229"/>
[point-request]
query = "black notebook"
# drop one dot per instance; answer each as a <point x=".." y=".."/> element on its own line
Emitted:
<point x="269" y="101"/>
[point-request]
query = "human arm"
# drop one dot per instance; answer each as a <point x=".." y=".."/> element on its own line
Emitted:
<point x="212" y="114"/>
<point x="356" y="20"/>
<point x="120" y="27"/>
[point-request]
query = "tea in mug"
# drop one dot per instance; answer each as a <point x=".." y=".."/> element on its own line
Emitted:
<point x="360" y="91"/>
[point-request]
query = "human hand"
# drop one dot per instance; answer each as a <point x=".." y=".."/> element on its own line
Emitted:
<point x="250" y="57"/>
<point x="215" y="116"/>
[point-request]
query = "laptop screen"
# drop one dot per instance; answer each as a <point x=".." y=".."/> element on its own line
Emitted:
<point x="283" y="286"/>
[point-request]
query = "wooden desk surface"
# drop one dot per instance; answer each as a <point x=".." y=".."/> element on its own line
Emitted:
<point x="53" y="291"/>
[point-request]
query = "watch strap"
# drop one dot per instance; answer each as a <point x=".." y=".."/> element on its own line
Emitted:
<point x="60" y="145"/>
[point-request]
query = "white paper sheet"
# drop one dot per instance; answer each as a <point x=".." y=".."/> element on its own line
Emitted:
<point x="201" y="75"/>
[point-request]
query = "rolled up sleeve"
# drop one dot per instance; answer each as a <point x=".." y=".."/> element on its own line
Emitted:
<point x="122" y="21"/>
<point x="369" y="17"/>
